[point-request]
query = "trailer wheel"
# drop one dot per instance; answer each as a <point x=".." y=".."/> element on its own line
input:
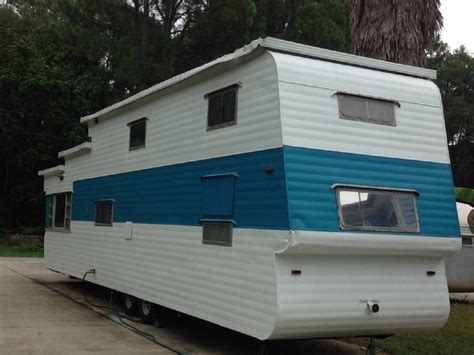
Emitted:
<point x="130" y="305"/>
<point x="148" y="311"/>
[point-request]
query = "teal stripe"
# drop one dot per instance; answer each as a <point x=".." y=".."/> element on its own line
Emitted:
<point x="310" y="173"/>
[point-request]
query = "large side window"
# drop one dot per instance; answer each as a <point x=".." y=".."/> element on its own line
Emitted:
<point x="104" y="213"/>
<point x="372" y="209"/>
<point x="218" y="208"/>
<point x="58" y="209"/>
<point x="365" y="109"/>
<point x="222" y="108"/>
<point x="137" y="134"/>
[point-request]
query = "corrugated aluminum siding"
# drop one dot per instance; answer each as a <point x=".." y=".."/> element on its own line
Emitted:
<point x="169" y="265"/>
<point x="310" y="173"/>
<point x="310" y="113"/>
<point x="175" y="194"/>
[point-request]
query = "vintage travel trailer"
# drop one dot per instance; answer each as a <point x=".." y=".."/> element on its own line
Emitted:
<point x="282" y="191"/>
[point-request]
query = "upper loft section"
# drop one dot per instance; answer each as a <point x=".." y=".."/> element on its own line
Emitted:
<point x="312" y="86"/>
<point x="255" y="48"/>
<point x="284" y="94"/>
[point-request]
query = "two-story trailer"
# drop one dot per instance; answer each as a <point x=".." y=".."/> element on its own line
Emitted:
<point x="282" y="191"/>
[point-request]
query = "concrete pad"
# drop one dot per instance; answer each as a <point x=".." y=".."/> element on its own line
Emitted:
<point x="44" y="312"/>
<point x="36" y="319"/>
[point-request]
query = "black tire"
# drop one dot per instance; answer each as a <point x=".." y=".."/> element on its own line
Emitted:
<point x="130" y="305"/>
<point x="148" y="311"/>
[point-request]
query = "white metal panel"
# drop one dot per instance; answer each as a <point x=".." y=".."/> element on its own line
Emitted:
<point x="310" y="112"/>
<point x="53" y="184"/>
<point x="176" y="126"/>
<point x="230" y="286"/>
<point x="242" y="288"/>
<point x="329" y="297"/>
<point x="460" y="268"/>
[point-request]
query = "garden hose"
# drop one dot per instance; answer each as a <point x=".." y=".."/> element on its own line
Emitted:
<point x="121" y="317"/>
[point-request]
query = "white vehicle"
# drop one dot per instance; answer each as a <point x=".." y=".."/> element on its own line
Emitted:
<point x="282" y="191"/>
<point x="460" y="267"/>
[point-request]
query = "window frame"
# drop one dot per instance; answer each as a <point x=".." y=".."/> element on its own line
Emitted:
<point x="384" y="191"/>
<point x="112" y="204"/>
<point x="234" y="88"/>
<point x="51" y="225"/>
<point x="217" y="222"/>
<point x="342" y="116"/>
<point x="134" y="123"/>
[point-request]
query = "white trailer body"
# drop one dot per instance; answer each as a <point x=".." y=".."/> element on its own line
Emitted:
<point x="314" y="185"/>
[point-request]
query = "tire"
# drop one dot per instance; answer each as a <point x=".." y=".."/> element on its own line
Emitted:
<point x="148" y="311"/>
<point x="130" y="305"/>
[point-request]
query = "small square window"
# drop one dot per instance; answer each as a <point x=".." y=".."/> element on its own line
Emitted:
<point x="365" y="109"/>
<point x="218" y="233"/>
<point x="222" y="108"/>
<point x="104" y="213"/>
<point x="137" y="134"/>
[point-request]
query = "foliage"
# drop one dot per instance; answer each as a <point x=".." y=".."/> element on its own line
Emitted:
<point x="456" y="82"/>
<point x="224" y="25"/>
<point x="61" y="60"/>
<point x="398" y="31"/>
<point x="21" y="249"/>
<point x="465" y="195"/>
<point x="33" y="230"/>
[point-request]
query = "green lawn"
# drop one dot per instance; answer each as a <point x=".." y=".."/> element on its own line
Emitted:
<point x="456" y="337"/>
<point x="21" y="249"/>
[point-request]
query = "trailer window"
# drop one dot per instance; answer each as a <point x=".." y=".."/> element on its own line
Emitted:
<point x="371" y="209"/>
<point x="104" y="213"/>
<point x="59" y="211"/>
<point x="137" y="134"/>
<point x="365" y="109"/>
<point x="219" y="233"/>
<point x="222" y="108"/>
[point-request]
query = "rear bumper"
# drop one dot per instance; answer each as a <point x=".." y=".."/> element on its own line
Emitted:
<point x="337" y="278"/>
<point x="309" y="242"/>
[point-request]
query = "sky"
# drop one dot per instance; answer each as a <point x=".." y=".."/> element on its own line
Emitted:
<point x="458" y="26"/>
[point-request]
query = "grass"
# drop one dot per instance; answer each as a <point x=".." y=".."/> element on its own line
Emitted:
<point x="21" y="249"/>
<point x="456" y="337"/>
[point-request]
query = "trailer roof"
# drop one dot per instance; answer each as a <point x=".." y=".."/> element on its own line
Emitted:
<point x="277" y="45"/>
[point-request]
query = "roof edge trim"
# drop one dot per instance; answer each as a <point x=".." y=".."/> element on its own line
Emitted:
<point x="78" y="149"/>
<point x="55" y="170"/>
<point x="280" y="45"/>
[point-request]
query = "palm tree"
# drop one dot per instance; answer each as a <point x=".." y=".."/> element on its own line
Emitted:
<point x="399" y="31"/>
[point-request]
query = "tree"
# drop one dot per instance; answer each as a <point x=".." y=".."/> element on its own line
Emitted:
<point x="47" y="81"/>
<point x="398" y="31"/>
<point x="218" y="27"/>
<point x="456" y="83"/>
